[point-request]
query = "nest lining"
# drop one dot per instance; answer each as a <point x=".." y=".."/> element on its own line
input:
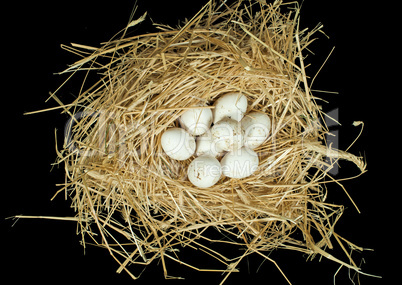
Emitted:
<point x="138" y="203"/>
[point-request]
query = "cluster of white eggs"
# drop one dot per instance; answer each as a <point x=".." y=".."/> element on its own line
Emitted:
<point x="226" y="130"/>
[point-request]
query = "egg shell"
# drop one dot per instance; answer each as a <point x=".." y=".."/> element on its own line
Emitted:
<point x="240" y="163"/>
<point x="206" y="145"/>
<point x="204" y="171"/>
<point x="227" y="134"/>
<point x="256" y="127"/>
<point x="196" y="121"/>
<point x="231" y="105"/>
<point x="178" y="144"/>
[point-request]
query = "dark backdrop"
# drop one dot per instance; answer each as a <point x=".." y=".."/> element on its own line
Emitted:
<point x="46" y="251"/>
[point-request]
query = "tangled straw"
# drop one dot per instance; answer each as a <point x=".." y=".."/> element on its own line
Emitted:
<point x="136" y="202"/>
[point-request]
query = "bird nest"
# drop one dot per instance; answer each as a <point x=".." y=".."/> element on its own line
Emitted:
<point x="137" y="202"/>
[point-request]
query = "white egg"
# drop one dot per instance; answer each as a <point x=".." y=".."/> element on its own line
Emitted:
<point x="227" y="134"/>
<point x="240" y="163"/>
<point x="206" y="145"/>
<point x="178" y="144"/>
<point x="204" y="171"/>
<point x="256" y="128"/>
<point x="196" y="121"/>
<point x="231" y="105"/>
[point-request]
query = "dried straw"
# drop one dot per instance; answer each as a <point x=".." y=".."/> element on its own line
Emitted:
<point x="136" y="202"/>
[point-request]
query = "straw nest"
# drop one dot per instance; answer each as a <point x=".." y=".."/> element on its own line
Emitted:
<point x="136" y="202"/>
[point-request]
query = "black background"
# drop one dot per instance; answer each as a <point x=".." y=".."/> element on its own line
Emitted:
<point x="46" y="251"/>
